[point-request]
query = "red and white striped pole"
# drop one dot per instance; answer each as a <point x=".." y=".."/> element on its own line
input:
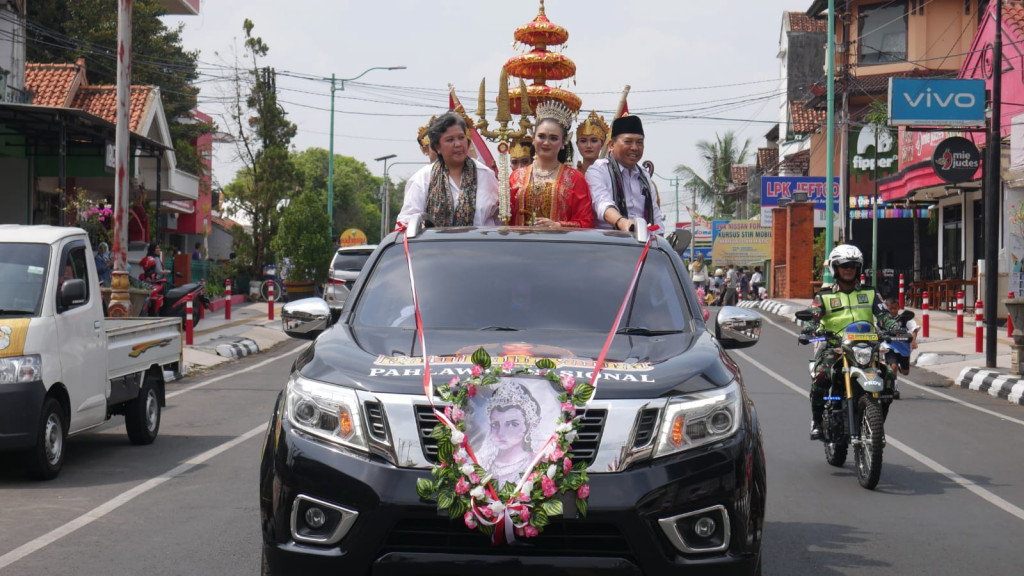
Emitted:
<point x="903" y="297"/>
<point x="960" y="314"/>
<point x="188" y="320"/>
<point x="924" y="314"/>
<point x="978" y="328"/>
<point x="863" y="279"/>
<point x="1009" y="320"/>
<point x="227" y="301"/>
<point x="270" y="301"/>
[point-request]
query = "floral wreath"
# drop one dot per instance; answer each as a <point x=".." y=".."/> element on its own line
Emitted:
<point x="464" y="489"/>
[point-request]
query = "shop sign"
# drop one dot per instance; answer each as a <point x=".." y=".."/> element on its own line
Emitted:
<point x="936" y="102"/>
<point x="956" y="160"/>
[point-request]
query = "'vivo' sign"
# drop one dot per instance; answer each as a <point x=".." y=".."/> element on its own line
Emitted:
<point x="936" y="102"/>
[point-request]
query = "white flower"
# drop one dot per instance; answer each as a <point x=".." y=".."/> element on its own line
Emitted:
<point x="563" y="428"/>
<point x="497" y="508"/>
<point x="458" y="437"/>
<point x="528" y="488"/>
<point x="570" y="436"/>
<point x="467" y="468"/>
<point x="477" y="493"/>
<point x="552" y="470"/>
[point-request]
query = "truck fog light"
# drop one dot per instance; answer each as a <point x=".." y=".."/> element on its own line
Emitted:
<point x="316" y="518"/>
<point x="705" y="527"/>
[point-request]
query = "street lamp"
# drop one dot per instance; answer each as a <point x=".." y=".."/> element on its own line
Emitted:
<point x="335" y="86"/>
<point x="384" y="194"/>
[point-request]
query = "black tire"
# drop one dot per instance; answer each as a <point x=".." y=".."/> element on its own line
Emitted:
<point x="868" y="454"/>
<point x="47" y="457"/>
<point x="264" y="566"/>
<point x="142" y="415"/>
<point x="835" y="451"/>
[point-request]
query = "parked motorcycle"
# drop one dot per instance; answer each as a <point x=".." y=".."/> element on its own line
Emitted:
<point x="857" y="402"/>
<point x="167" y="301"/>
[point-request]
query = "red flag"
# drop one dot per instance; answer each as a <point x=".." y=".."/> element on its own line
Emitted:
<point x="482" y="153"/>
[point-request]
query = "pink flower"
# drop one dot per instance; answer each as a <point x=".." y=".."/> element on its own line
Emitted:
<point x="555" y="455"/>
<point x="529" y="531"/>
<point x="461" y="487"/>
<point x="508" y="365"/>
<point x="470" y="520"/>
<point x="524" y="496"/>
<point x="470" y="391"/>
<point x="474" y="478"/>
<point x="458" y="414"/>
<point x="583" y="492"/>
<point x="486" y="511"/>
<point x="454" y="382"/>
<point x="477" y="370"/>
<point x="566" y="466"/>
<point x="548" y="486"/>
<point x="524" y="514"/>
<point x="568" y="382"/>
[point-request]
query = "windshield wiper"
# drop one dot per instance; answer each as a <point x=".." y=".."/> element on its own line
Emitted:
<point x="14" y="312"/>
<point x="499" y="329"/>
<point x="641" y="331"/>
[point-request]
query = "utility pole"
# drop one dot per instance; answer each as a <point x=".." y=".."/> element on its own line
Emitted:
<point x="830" y="80"/>
<point x="993" y="190"/>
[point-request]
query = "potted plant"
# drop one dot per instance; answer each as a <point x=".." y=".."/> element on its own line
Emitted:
<point x="303" y="237"/>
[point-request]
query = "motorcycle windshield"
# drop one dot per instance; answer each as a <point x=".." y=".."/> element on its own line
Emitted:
<point x="860" y="331"/>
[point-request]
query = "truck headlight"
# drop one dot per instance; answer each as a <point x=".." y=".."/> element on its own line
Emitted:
<point x="19" y="369"/>
<point x="698" y="419"/>
<point x="327" y="411"/>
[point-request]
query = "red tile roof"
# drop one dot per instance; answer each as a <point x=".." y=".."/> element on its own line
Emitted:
<point x="800" y="22"/>
<point x="52" y="84"/>
<point x="66" y="86"/>
<point x="768" y="161"/>
<point x="798" y="163"/>
<point x="804" y="120"/>
<point x="740" y="174"/>
<point x="1013" y="17"/>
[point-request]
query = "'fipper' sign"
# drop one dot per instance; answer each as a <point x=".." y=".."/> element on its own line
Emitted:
<point x="775" y="188"/>
<point x="936" y="102"/>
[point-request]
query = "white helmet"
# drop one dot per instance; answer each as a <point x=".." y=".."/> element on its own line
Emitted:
<point x="844" y="254"/>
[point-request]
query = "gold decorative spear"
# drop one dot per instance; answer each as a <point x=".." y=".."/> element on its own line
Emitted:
<point x="618" y="114"/>
<point x="503" y="135"/>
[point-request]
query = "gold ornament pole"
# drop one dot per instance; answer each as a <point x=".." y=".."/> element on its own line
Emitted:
<point x="618" y="114"/>
<point x="503" y="135"/>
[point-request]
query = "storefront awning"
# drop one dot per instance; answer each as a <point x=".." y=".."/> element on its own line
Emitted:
<point x="916" y="181"/>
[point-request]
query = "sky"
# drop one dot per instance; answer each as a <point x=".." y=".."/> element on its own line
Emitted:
<point x="696" y="69"/>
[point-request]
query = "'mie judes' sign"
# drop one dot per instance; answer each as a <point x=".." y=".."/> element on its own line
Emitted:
<point x="956" y="160"/>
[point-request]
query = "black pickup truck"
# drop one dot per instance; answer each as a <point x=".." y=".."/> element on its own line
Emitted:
<point x="670" y="439"/>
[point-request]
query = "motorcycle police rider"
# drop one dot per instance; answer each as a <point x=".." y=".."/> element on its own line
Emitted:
<point x="834" y="308"/>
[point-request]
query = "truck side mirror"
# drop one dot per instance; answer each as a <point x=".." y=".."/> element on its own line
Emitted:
<point x="72" y="293"/>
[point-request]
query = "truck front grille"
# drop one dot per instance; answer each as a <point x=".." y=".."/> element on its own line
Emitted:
<point x="583" y="449"/>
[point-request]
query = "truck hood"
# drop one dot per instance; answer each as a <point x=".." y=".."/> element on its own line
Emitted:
<point x="389" y="360"/>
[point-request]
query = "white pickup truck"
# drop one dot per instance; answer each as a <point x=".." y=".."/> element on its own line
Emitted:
<point x="64" y="368"/>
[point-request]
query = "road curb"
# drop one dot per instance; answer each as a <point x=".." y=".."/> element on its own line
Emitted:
<point x="1005" y="386"/>
<point x="238" y="349"/>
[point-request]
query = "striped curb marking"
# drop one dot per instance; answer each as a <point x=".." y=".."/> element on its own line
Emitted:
<point x="238" y="349"/>
<point x="1005" y="386"/>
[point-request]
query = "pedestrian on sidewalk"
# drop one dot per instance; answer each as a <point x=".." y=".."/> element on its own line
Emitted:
<point x="898" y="354"/>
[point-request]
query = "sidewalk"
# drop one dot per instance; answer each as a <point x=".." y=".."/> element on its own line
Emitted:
<point x="216" y="340"/>
<point x="953" y="360"/>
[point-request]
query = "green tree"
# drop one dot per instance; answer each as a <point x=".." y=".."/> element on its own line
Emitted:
<point x="263" y="134"/>
<point x="712" y="188"/>
<point x="356" y="191"/>
<point x="63" y="31"/>
<point x="304" y="237"/>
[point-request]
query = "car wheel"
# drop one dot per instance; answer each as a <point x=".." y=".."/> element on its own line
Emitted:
<point x="47" y="457"/>
<point x="142" y="415"/>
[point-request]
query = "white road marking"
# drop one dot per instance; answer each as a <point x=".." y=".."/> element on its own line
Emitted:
<point x="113" y="504"/>
<point x="923" y="388"/>
<point x="935" y="466"/>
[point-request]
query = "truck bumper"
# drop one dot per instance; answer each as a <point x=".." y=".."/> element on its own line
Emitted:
<point x="20" y="405"/>
<point x="394" y="532"/>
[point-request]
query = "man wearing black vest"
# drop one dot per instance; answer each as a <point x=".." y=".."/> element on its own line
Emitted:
<point x="620" y="189"/>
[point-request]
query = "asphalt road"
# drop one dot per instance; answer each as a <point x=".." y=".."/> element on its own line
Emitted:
<point x="951" y="498"/>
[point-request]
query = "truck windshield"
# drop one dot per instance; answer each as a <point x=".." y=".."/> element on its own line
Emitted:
<point x="22" y="274"/>
<point x="530" y="285"/>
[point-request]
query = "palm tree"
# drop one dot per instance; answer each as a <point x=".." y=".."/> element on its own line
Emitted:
<point x="718" y="158"/>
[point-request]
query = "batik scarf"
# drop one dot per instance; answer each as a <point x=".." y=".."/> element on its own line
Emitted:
<point x="619" y="192"/>
<point x="440" y="209"/>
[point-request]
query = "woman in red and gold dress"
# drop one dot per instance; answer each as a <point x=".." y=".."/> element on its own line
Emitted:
<point x="548" y="192"/>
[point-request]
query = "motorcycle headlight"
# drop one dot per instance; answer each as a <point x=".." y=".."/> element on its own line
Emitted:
<point x="862" y="355"/>
<point x="19" y="369"/>
<point x="327" y="411"/>
<point x="698" y="419"/>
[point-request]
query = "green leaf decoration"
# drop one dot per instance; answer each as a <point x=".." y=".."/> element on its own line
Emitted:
<point x="581" y="505"/>
<point x="582" y="393"/>
<point x="488" y="530"/>
<point x="552" y="507"/>
<point x="482" y="358"/>
<point x="425" y="489"/>
<point x="445" y="450"/>
<point x="539" y="518"/>
<point x="458" y="508"/>
<point x="440" y="432"/>
<point x="546" y="364"/>
<point x="446" y="499"/>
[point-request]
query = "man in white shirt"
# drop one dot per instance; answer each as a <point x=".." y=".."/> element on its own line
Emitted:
<point x="620" y="189"/>
<point x="456" y="190"/>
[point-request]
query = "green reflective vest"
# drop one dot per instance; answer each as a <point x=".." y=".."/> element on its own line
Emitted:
<point x="842" y="308"/>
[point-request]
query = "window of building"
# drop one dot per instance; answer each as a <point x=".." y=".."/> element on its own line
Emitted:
<point x="883" y="33"/>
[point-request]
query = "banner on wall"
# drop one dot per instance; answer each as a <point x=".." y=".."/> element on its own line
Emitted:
<point x="740" y="242"/>
<point x="775" y="188"/>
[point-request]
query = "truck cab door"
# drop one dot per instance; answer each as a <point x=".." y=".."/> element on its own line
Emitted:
<point x="81" y="339"/>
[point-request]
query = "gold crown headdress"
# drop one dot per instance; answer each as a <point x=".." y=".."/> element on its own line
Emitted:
<point x="594" y="125"/>
<point x="421" y="134"/>
<point x="556" y="111"/>
<point x="521" y="148"/>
